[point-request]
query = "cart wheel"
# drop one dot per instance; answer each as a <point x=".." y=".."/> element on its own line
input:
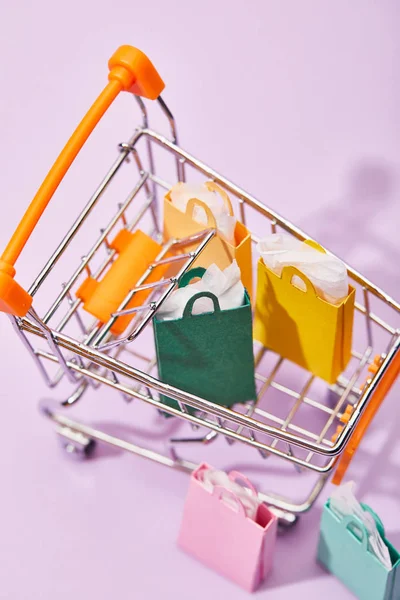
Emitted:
<point x="286" y="524"/>
<point x="75" y="444"/>
<point x="286" y="520"/>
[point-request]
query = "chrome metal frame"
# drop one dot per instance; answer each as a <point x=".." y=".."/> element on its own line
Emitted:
<point x="96" y="357"/>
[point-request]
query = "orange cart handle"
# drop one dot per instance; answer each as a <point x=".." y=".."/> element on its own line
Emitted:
<point x="388" y="378"/>
<point x="129" y="70"/>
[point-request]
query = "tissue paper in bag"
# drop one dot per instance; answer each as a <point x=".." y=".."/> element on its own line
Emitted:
<point x="210" y="354"/>
<point x="212" y="478"/>
<point x="344" y="550"/>
<point x="223" y="538"/>
<point x="185" y="217"/>
<point x="300" y="325"/>
<point x="225" y="285"/>
<point x="327" y="273"/>
<point x="180" y="195"/>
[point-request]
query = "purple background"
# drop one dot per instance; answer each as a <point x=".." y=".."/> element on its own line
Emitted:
<point x="298" y="103"/>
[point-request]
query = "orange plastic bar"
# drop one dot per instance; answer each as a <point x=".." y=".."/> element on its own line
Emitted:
<point x="129" y="70"/>
<point x="382" y="389"/>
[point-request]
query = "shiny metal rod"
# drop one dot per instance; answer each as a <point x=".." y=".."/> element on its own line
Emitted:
<point x="82" y="217"/>
<point x="86" y="259"/>
<point x="273" y="500"/>
<point x="259" y="207"/>
<point x="196" y="402"/>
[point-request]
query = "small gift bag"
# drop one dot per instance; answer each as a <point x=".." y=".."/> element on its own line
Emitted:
<point x="301" y="326"/>
<point x="344" y="550"/>
<point x="209" y="355"/>
<point x="222" y="537"/>
<point x="179" y="224"/>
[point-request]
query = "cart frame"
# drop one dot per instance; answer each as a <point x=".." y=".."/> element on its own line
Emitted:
<point x="97" y="357"/>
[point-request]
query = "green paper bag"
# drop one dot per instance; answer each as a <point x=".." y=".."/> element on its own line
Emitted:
<point x="209" y="355"/>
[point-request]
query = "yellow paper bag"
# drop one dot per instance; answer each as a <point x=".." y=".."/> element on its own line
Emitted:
<point x="179" y="224"/>
<point x="300" y="326"/>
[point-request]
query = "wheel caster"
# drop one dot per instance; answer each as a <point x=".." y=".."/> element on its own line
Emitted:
<point x="75" y="444"/>
<point x="286" y="520"/>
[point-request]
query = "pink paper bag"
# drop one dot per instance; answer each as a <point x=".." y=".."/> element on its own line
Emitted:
<point x="223" y="537"/>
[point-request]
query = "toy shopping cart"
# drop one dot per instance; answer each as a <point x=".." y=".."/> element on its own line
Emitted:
<point x="89" y="332"/>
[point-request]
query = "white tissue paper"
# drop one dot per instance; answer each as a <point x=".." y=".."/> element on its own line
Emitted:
<point x="225" y="285"/>
<point x="327" y="273"/>
<point x="212" y="477"/>
<point x="180" y="195"/>
<point x="344" y="503"/>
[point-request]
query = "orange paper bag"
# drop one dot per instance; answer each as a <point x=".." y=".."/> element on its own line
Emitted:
<point x="179" y="224"/>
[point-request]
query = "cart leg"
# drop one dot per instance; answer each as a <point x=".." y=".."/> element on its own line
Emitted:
<point x="78" y="440"/>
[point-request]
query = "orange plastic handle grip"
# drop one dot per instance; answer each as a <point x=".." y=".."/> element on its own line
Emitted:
<point x="129" y="70"/>
<point x="383" y="387"/>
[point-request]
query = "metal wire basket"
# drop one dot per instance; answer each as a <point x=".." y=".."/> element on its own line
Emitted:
<point x="297" y="417"/>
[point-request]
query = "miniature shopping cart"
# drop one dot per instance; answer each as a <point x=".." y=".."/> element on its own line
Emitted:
<point x="297" y="419"/>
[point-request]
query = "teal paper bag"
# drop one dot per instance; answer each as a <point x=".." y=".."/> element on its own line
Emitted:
<point x="343" y="550"/>
<point x="209" y="355"/>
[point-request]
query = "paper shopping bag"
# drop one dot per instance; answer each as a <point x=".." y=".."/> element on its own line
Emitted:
<point x="343" y="549"/>
<point x="300" y="326"/>
<point x="223" y="537"/>
<point x="209" y="355"/>
<point x="179" y="224"/>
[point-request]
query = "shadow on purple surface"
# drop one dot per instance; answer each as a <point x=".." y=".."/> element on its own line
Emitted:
<point x="348" y="223"/>
<point x="254" y="469"/>
<point x="381" y="473"/>
<point x="105" y="451"/>
<point x="345" y="227"/>
<point x="131" y="434"/>
<point x="296" y="549"/>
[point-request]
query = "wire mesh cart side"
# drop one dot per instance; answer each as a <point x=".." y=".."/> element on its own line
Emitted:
<point x="316" y="428"/>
